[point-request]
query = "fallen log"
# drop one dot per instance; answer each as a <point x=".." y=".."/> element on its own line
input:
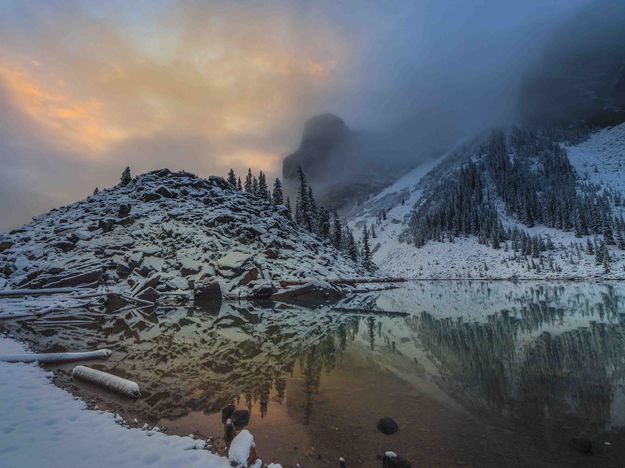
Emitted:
<point x="370" y="311"/>
<point x="43" y="292"/>
<point x="58" y="357"/>
<point x="108" y="381"/>
<point x="339" y="281"/>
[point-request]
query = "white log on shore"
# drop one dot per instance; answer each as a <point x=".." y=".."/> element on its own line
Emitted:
<point x="108" y="381"/>
<point x="58" y="357"/>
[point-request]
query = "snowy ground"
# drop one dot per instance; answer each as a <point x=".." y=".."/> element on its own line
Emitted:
<point x="600" y="160"/>
<point x="44" y="426"/>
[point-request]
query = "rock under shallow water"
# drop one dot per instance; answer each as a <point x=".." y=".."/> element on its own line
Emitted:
<point x="582" y="444"/>
<point x="387" y="426"/>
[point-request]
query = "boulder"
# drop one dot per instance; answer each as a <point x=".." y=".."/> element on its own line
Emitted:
<point x="165" y="192"/>
<point x="387" y="426"/>
<point x="226" y="412"/>
<point x="207" y="294"/>
<point x="311" y="292"/>
<point x="150" y="196"/>
<point x="392" y="460"/>
<point x="81" y="279"/>
<point x="5" y="245"/>
<point x="123" y="210"/>
<point x="240" y="418"/>
<point x="127" y="221"/>
<point x="106" y="224"/>
<point x="263" y="290"/>
<point x="234" y="260"/>
<point x="63" y="245"/>
<point x="248" y="276"/>
<point x="148" y="294"/>
<point x="271" y="254"/>
<point x="122" y="269"/>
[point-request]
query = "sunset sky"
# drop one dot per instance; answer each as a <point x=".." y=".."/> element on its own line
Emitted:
<point x="87" y="88"/>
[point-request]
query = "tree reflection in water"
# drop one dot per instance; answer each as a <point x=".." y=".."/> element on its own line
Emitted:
<point x="532" y="353"/>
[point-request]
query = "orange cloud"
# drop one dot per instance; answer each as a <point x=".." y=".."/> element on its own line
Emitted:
<point x="67" y="120"/>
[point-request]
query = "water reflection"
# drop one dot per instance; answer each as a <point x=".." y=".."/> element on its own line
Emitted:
<point x="532" y="353"/>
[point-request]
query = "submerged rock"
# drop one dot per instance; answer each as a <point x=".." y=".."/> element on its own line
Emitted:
<point x="387" y="426"/>
<point x="582" y="444"/>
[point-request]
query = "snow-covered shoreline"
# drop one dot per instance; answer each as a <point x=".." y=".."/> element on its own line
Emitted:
<point x="45" y="426"/>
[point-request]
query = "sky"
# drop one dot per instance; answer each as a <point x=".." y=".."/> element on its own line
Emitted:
<point x="88" y="87"/>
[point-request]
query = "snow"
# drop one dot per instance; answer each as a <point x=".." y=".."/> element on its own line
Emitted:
<point x="42" y="425"/>
<point x="240" y="448"/>
<point x="109" y="381"/>
<point x="207" y="231"/>
<point x="466" y="258"/>
<point x="57" y="357"/>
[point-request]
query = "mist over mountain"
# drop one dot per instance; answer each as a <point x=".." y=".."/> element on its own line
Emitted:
<point x="580" y="74"/>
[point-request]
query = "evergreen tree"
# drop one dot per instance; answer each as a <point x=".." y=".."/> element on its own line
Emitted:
<point x="323" y="224"/>
<point x="288" y="208"/>
<point x="263" y="191"/>
<point x="248" y="181"/>
<point x="302" y="206"/>
<point x="126" y="178"/>
<point x="337" y="232"/>
<point x="232" y="178"/>
<point x="277" y="197"/>
<point x="255" y="185"/>
<point x="239" y="185"/>
<point x="366" y="260"/>
<point x="96" y="191"/>
<point x="351" y="247"/>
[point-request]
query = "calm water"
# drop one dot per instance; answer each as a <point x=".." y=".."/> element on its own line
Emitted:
<point x="476" y="374"/>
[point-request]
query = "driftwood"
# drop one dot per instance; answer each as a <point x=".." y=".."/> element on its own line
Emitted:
<point x="339" y="281"/>
<point x="106" y="380"/>
<point x="45" y="292"/>
<point x="58" y="357"/>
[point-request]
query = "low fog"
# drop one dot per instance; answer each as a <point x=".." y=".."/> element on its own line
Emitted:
<point x="206" y="87"/>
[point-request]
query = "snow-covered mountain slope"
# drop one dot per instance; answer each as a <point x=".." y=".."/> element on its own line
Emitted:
<point x="166" y="231"/>
<point x="598" y="162"/>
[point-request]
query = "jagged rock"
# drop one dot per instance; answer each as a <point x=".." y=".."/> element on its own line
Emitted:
<point x="249" y="275"/>
<point x="65" y="246"/>
<point x="234" y="260"/>
<point x="207" y="294"/>
<point x="387" y="426"/>
<point x="123" y="210"/>
<point x="150" y="196"/>
<point x="392" y="460"/>
<point x="271" y="254"/>
<point x="122" y="269"/>
<point x="240" y="418"/>
<point x="263" y="290"/>
<point x="106" y="224"/>
<point x="313" y="291"/>
<point x="5" y="245"/>
<point x="148" y="294"/>
<point x="81" y="279"/>
<point x="226" y="412"/>
<point x="165" y="192"/>
<point x="135" y="260"/>
<point x="127" y="221"/>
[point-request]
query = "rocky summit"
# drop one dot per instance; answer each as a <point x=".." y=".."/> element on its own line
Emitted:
<point x="165" y="233"/>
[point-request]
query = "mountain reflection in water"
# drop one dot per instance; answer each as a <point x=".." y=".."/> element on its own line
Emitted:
<point x="525" y="354"/>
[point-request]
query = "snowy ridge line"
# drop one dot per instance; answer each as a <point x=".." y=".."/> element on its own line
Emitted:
<point x="58" y="357"/>
<point x="106" y="380"/>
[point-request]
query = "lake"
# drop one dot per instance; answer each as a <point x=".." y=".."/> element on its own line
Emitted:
<point x="475" y="373"/>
